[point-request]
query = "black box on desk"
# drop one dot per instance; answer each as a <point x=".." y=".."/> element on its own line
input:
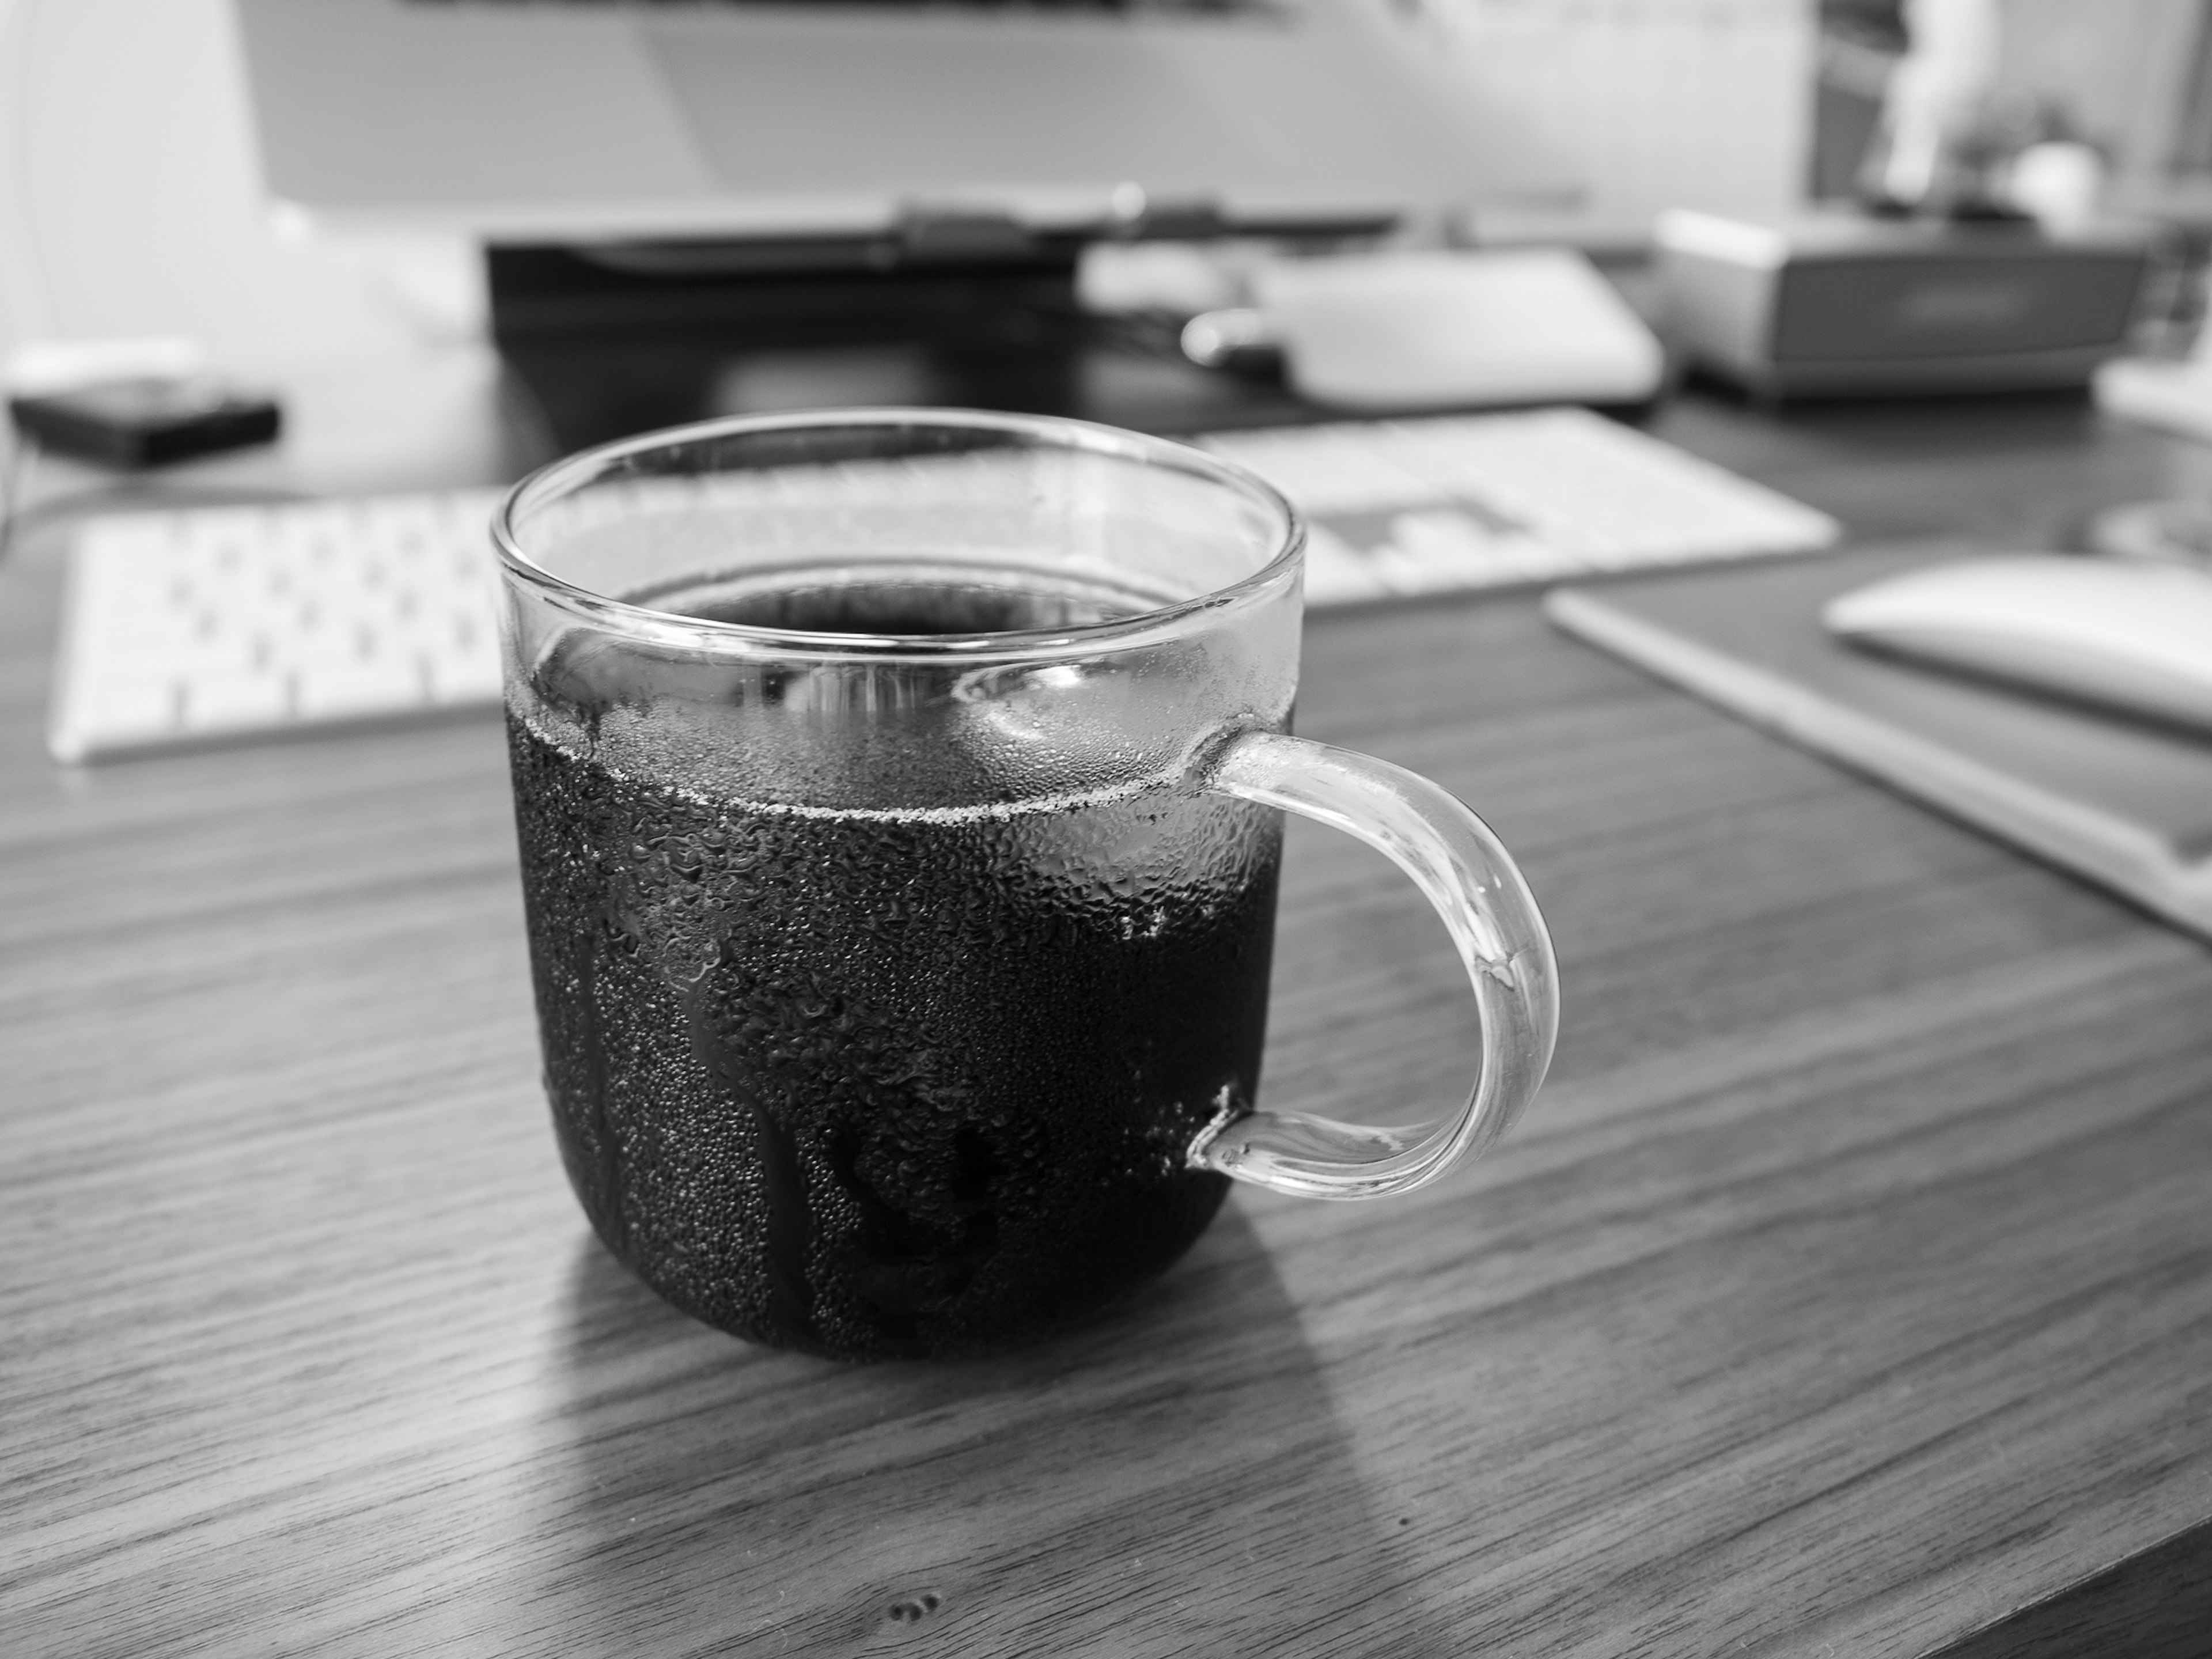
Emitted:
<point x="1844" y="305"/>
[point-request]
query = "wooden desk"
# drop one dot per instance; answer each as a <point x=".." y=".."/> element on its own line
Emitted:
<point x="1848" y="1291"/>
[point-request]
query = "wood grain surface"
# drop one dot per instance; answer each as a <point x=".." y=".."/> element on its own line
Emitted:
<point x="1848" y="1291"/>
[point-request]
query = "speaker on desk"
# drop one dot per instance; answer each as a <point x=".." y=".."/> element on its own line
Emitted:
<point x="1843" y="305"/>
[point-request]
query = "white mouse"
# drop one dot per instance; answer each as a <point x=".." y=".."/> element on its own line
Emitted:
<point x="2133" y="637"/>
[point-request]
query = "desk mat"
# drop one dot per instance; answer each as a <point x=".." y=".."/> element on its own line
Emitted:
<point x="2126" y="805"/>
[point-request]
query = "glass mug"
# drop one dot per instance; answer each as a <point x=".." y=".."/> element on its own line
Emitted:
<point x="897" y="793"/>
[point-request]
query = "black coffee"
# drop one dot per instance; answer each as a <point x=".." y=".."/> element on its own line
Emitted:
<point x="890" y="1083"/>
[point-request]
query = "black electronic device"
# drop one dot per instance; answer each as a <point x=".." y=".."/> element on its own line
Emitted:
<point x="615" y="338"/>
<point x="147" y="420"/>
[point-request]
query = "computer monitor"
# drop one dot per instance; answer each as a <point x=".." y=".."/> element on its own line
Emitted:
<point x="530" y="122"/>
<point x="725" y="206"/>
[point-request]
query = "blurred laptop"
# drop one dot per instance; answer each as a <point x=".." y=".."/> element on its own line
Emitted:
<point x="605" y="118"/>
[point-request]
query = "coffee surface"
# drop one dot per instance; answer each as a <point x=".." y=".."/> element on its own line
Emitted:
<point x="880" y="605"/>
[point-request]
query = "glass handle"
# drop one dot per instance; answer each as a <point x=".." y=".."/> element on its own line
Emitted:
<point x="1486" y="907"/>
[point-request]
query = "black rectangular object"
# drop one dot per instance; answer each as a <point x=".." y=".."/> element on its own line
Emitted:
<point x="147" y="422"/>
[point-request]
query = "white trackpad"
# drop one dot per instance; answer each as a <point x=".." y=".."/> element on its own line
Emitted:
<point x="1435" y="330"/>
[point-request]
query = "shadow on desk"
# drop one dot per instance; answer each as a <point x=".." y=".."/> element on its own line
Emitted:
<point x="775" y="1499"/>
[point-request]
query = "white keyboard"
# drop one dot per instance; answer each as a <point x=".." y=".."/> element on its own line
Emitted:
<point x="212" y="624"/>
<point x="1495" y="501"/>
<point x="215" y="624"/>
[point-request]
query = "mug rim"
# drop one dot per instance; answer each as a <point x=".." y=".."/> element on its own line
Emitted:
<point x="570" y="472"/>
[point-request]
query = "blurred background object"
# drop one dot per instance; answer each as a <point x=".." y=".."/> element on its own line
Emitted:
<point x="2125" y="79"/>
<point x="131" y="204"/>
<point x="530" y="124"/>
<point x="1849" y="303"/>
<point x="1660" y="104"/>
<point x="1402" y="331"/>
<point x="132" y="201"/>
<point x="1923" y="159"/>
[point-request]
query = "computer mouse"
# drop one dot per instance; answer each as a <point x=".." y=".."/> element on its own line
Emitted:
<point x="2136" y="638"/>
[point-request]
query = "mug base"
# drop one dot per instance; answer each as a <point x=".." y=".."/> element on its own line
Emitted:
<point x="996" y="1313"/>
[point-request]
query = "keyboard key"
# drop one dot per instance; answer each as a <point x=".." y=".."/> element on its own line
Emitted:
<point x="1336" y="572"/>
<point x="349" y="683"/>
<point x="225" y="697"/>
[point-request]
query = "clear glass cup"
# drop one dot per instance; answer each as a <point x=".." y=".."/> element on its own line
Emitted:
<point x="897" y="798"/>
